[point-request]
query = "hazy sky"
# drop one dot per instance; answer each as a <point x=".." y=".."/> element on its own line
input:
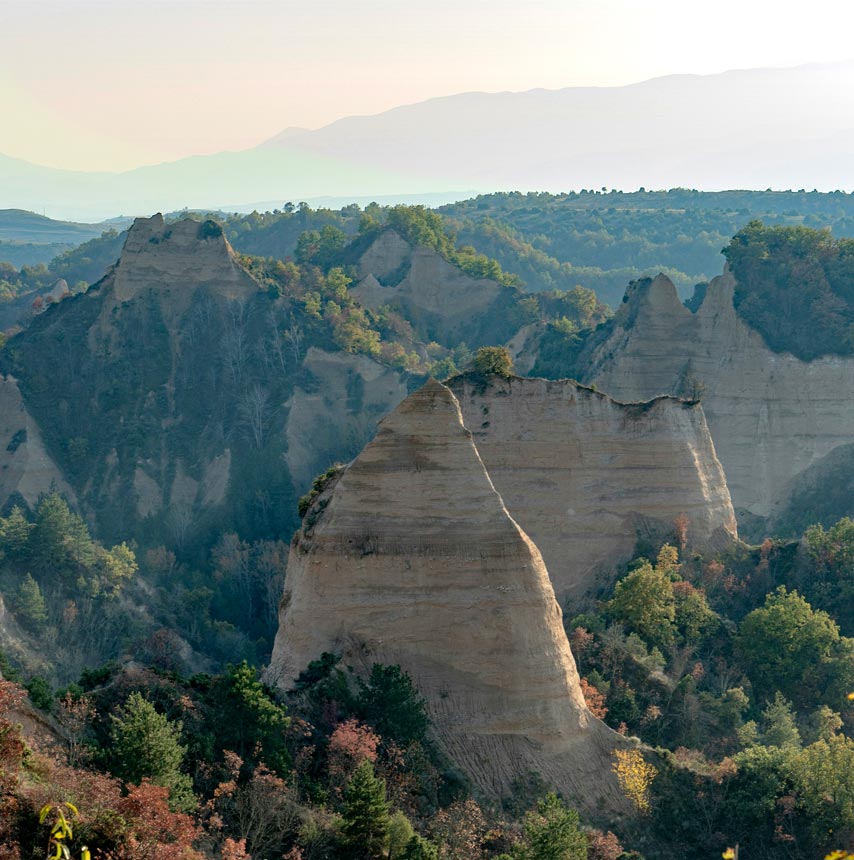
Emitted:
<point x="111" y="84"/>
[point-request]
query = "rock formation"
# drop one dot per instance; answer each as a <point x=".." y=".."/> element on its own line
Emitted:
<point x="442" y="302"/>
<point x="411" y="558"/>
<point x="586" y="476"/>
<point x="771" y="415"/>
<point x="26" y="469"/>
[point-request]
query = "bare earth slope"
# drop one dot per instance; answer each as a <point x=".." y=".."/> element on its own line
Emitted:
<point x="586" y="476"/>
<point x="411" y="558"/>
<point x="771" y="415"/>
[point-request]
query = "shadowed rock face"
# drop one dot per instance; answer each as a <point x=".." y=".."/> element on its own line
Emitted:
<point x="771" y="415"/>
<point x="26" y="469"/>
<point x="586" y="476"/>
<point x="411" y="558"/>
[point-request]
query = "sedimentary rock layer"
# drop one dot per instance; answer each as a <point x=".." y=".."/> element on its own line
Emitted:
<point x="586" y="477"/>
<point x="411" y="558"/>
<point x="771" y="415"/>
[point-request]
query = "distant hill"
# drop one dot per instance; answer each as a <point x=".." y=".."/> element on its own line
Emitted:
<point x="760" y="128"/>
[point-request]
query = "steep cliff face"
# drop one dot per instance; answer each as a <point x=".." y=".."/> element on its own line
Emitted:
<point x="586" y="476"/>
<point x="411" y="558"/>
<point x="164" y="392"/>
<point x="442" y="302"/>
<point x="26" y="469"/>
<point x="334" y="413"/>
<point x="771" y="415"/>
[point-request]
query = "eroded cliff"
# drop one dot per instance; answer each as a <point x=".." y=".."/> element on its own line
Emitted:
<point x="587" y="477"/>
<point x="442" y="302"/>
<point x="772" y="416"/>
<point x="411" y="558"/>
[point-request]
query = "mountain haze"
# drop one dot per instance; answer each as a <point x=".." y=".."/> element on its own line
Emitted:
<point x="779" y="128"/>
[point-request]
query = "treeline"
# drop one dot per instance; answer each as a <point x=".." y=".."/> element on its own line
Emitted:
<point x="795" y="286"/>
<point x="153" y="766"/>
<point x="740" y="670"/>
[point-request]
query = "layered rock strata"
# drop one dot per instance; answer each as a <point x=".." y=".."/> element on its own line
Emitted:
<point x="411" y="558"/>
<point x="586" y="476"/>
<point x="771" y="415"/>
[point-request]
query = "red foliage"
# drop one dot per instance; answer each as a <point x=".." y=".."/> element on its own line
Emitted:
<point x="594" y="699"/>
<point x="154" y="831"/>
<point x="580" y="640"/>
<point x="350" y="744"/>
<point x="603" y="846"/>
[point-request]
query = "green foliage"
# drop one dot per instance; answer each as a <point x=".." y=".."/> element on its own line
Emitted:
<point x="645" y="603"/>
<point x="29" y="604"/>
<point x="365" y="812"/>
<point x="779" y="726"/>
<point x="796" y="287"/>
<point x="145" y="745"/>
<point x="552" y="832"/>
<point x="390" y="702"/>
<point x="788" y="646"/>
<point x="830" y="577"/>
<point x="492" y="361"/>
<point x="420" y="849"/>
<point x="40" y="693"/>
<point x="823" y="774"/>
<point x="251" y="722"/>
<point x="318" y="485"/>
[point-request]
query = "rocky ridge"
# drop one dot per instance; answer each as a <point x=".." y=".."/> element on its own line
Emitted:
<point x="411" y="558"/>
<point x="772" y="416"/>
<point x="587" y="476"/>
<point x="442" y="302"/>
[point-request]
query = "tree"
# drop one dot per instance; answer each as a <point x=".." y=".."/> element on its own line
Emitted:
<point x="780" y="728"/>
<point x="787" y="645"/>
<point x="390" y="701"/>
<point x="249" y="717"/>
<point x="366" y="815"/>
<point x="493" y="361"/>
<point x="552" y="832"/>
<point x="146" y="745"/>
<point x="823" y="774"/>
<point x="645" y="603"/>
<point x="420" y="849"/>
<point x="29" y="603"/>
<point x="635" y="776"/>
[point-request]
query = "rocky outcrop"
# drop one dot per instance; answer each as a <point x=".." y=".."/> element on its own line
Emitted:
<point x="771" y="415"/>
<point x="411" y="558"/>
<point x="334" y="413"/>
<point x="586" y="476"/>
<point x="26" y="469"/>
<point x="441" y="301"/>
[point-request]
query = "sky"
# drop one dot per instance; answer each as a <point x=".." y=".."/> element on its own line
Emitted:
<point x="114" y="84"/>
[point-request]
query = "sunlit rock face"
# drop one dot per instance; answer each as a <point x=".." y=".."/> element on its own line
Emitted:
<point x="772" y="416"/>
<point x="410" y="557"/>
<point x="587" y="477"/>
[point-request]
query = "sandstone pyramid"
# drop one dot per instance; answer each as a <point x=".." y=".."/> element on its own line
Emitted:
<point x="411" y="558"/>
<point x="773" y="417"/>
<point x="586" y="476"/>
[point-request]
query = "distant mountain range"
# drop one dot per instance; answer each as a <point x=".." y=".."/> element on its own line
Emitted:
<point x="761" y="128"/>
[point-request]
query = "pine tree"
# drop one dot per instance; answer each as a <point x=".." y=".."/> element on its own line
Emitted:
<point x="145" y="745"/>
<point x="366" y="815"/>
<point x="29" y="603"/>
<point x="552" y="832"/>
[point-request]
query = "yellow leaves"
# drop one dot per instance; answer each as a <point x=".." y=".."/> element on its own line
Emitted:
<point x="851" y="697"/>
<point x="729" y="854"/>
<point x="61" y="831"/>
<point x="635" y="776"/>
<point x="840" y="855"/>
